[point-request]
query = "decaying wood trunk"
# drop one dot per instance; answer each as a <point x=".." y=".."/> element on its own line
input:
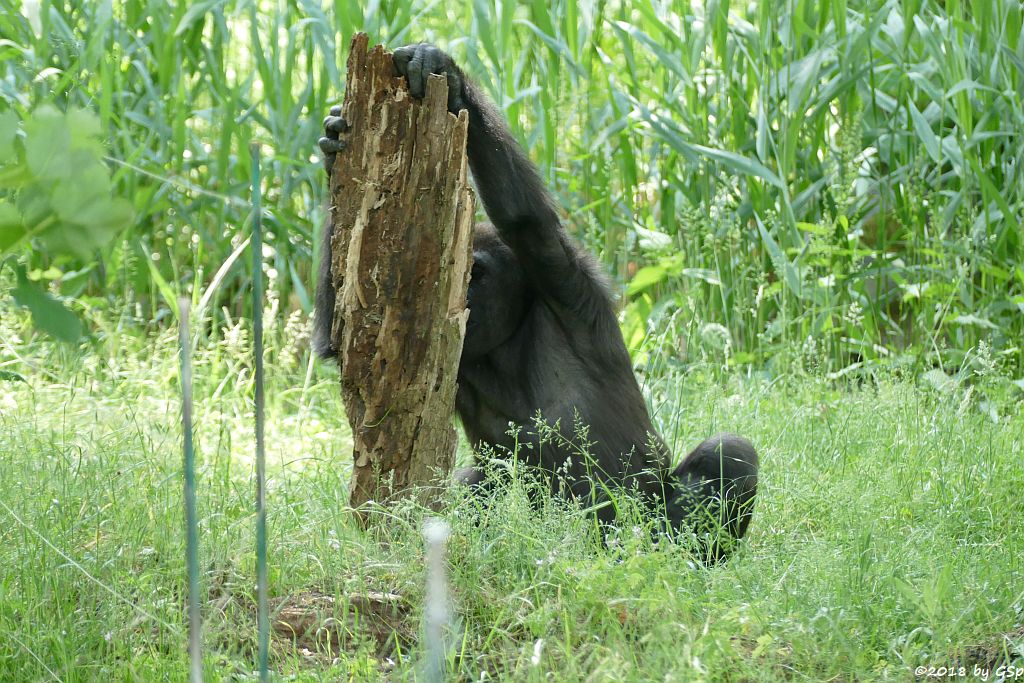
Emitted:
<point x="401" y="255"/>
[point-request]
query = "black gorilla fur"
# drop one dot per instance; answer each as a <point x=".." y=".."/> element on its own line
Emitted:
<point x="543" y="338"/>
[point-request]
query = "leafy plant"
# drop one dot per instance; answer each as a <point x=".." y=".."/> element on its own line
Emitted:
<point x="844" y="171"/>
<point x="56" y="200"/>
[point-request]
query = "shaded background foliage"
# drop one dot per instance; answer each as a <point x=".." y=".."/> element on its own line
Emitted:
<point x="770" y="184"/>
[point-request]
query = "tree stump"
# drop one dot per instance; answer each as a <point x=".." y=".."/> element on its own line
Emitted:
<point x="400" y="257"/>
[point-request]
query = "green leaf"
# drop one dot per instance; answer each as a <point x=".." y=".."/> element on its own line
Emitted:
<point x="992" y="193"/>
<point x="924" y="131"/>
<point x="813" y="228"/>
<point x="164" y="287"/>
<point x="8" y="131"/>
<point x="706" y="274"/>
<point x="761" y="133"/>
<point x="48" y="314"/>
<point x="63" y="189"/>
<point x="971" y="319"/>
<point x="741" y="164"/>
<point x="12" y="230"/>
<point x="666" y="59"/>
<point x="195" y="13"/>
<point x="652" y="240"/>
<point x="779" y="260"/>
<point x="84" y="128"/>
<point x="47" y="143"/>
<point x="83" y="199"/>
<point x="802" y="76"/>
<point x="646" y="277"/>
<point x="8" y="376"/>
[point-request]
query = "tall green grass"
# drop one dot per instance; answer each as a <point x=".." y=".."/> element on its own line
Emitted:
<point x="886" y="535"/>
<point x="758" y="176"/>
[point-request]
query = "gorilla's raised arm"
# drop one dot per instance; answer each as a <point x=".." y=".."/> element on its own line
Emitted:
<point x="513" y="194"/>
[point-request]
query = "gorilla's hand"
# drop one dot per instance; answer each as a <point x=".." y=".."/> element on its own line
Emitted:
<point x="332" y="142"/>
<point x="417" y="62"/>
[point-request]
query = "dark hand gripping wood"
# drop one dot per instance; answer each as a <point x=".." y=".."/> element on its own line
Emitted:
<point x="402" y="219"/>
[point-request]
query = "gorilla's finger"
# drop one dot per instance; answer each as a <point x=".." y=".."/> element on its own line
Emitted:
<point x="331" y="146"/>
<point x="417" y="77"/>
<point x="336" y="125"/>
<point x="336" y="110"/>
<point x="435" y="61"/>
<point x="402" y="56"/>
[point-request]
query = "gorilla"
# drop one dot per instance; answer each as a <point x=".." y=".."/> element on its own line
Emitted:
<point x="543" y="346"/>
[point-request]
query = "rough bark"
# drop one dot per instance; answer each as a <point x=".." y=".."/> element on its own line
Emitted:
<point x="401" y="256"/>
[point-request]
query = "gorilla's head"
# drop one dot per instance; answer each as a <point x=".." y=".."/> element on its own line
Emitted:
<point x="497" y="295"/>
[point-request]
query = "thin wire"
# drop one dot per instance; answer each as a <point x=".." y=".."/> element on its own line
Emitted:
<point x="256" y="244"/>
<point x="180" y="183"/>
<point x="195" y="618"/>
<point x="36" y="657"/>
<point x="76" y="565"/>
